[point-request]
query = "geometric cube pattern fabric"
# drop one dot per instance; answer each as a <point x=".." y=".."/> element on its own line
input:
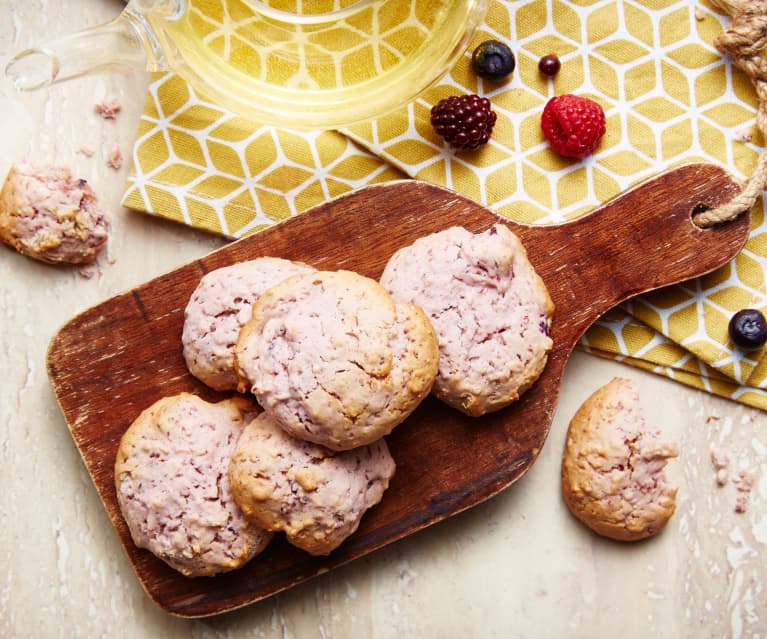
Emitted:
<point x="198" y="164"/>
<point x="669" y="96"/>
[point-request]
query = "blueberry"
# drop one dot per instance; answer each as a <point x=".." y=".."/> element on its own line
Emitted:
<point x="493" y="60"/>
<point x="748" y="328"/>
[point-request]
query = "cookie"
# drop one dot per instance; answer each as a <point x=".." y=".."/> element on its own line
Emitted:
<point x="217" y="310"/>
<point x="490" y="309"/>
<point x="315" y="495"/>
<point x="612" y="466"/>
<point x="172" y="482"/>
<point x="334" y="360"/>
<point x="49" y="215"/>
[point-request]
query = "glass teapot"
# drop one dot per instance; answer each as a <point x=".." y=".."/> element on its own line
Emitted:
<point x="292" y="63"/>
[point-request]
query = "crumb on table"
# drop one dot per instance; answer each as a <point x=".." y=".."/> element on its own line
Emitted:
<point x="720" y="460"/>
<point x="108" y="108"/>
<point x="115" y="159"/>
<point x="744" y="482"/>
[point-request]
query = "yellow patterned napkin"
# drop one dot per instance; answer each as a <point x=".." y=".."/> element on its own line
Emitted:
<point x="196" y="163"/>
<point x="670" y="99"/>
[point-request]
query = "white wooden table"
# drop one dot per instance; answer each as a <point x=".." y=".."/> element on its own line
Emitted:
<point x="516" y="566"/>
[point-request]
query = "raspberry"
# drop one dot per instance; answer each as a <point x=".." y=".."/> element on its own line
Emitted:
<point x="573" y="125"/>
<point x="466" y="121"/>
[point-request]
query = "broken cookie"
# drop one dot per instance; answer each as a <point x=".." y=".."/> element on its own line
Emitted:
<point x="48" y="214"/>
<point x="612" y="466"/>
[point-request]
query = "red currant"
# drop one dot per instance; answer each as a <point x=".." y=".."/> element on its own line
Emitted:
<point x="549" y="65"/>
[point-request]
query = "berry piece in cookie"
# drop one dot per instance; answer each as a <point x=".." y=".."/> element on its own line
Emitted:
<point x="217" y="310"/>
<point x="49" y="215"/>
<point x="172" y="481"/>
<point x="315" y="495"/>
<point x="612" y="466"/>
<point x="334" y="360"/>
<point x="490" y="309"/>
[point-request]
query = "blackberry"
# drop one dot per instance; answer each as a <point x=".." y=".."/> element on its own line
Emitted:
<point x="493" y="60"/>
<point x="748" y="328"/>
<point x="466" y="121"/>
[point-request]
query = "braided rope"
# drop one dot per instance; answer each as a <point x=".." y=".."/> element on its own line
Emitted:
<point x="744" y="41"/>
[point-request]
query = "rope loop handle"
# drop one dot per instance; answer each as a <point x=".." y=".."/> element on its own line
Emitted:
<point x="745" y="41"/>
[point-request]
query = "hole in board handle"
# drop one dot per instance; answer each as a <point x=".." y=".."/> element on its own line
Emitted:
<point x="699" y="208"/>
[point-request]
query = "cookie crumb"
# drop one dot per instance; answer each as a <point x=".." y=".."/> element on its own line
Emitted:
<point x="87" y="271"/>
<point x="743" y="135"/>
<point x="720" y="460"/>
<point x="86" y="150"/>
<point x="108" y="108"/>
<point x="744" y="482"/>
<point x="115" y="159"/>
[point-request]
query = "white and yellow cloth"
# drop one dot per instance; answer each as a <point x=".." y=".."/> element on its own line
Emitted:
<point x="669" y="96"/>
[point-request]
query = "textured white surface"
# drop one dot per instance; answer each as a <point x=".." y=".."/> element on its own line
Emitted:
<point x="516" y="566"/>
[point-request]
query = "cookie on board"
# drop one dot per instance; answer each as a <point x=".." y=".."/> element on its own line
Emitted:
<point x="334" y="360"/>
<point x="172" y="482"/>
<point x="490" y="309"/>
<point x="315" y="495"/>
<point x="217" y="310"/>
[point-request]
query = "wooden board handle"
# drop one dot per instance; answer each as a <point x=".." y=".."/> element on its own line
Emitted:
<point x="643" y="240"/>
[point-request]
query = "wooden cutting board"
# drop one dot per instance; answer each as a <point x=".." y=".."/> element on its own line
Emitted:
<point x="109" y="363"/>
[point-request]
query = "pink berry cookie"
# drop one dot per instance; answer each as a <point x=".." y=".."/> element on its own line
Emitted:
<point x="172" y="481"/>
<point x="48" y="214"/>
<point x="334" y="360"/>
<point x="612" y="466"/>
<point x="316" y="496"/>
<point x="217" y="310"/>
<point x="490" y="309"/>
